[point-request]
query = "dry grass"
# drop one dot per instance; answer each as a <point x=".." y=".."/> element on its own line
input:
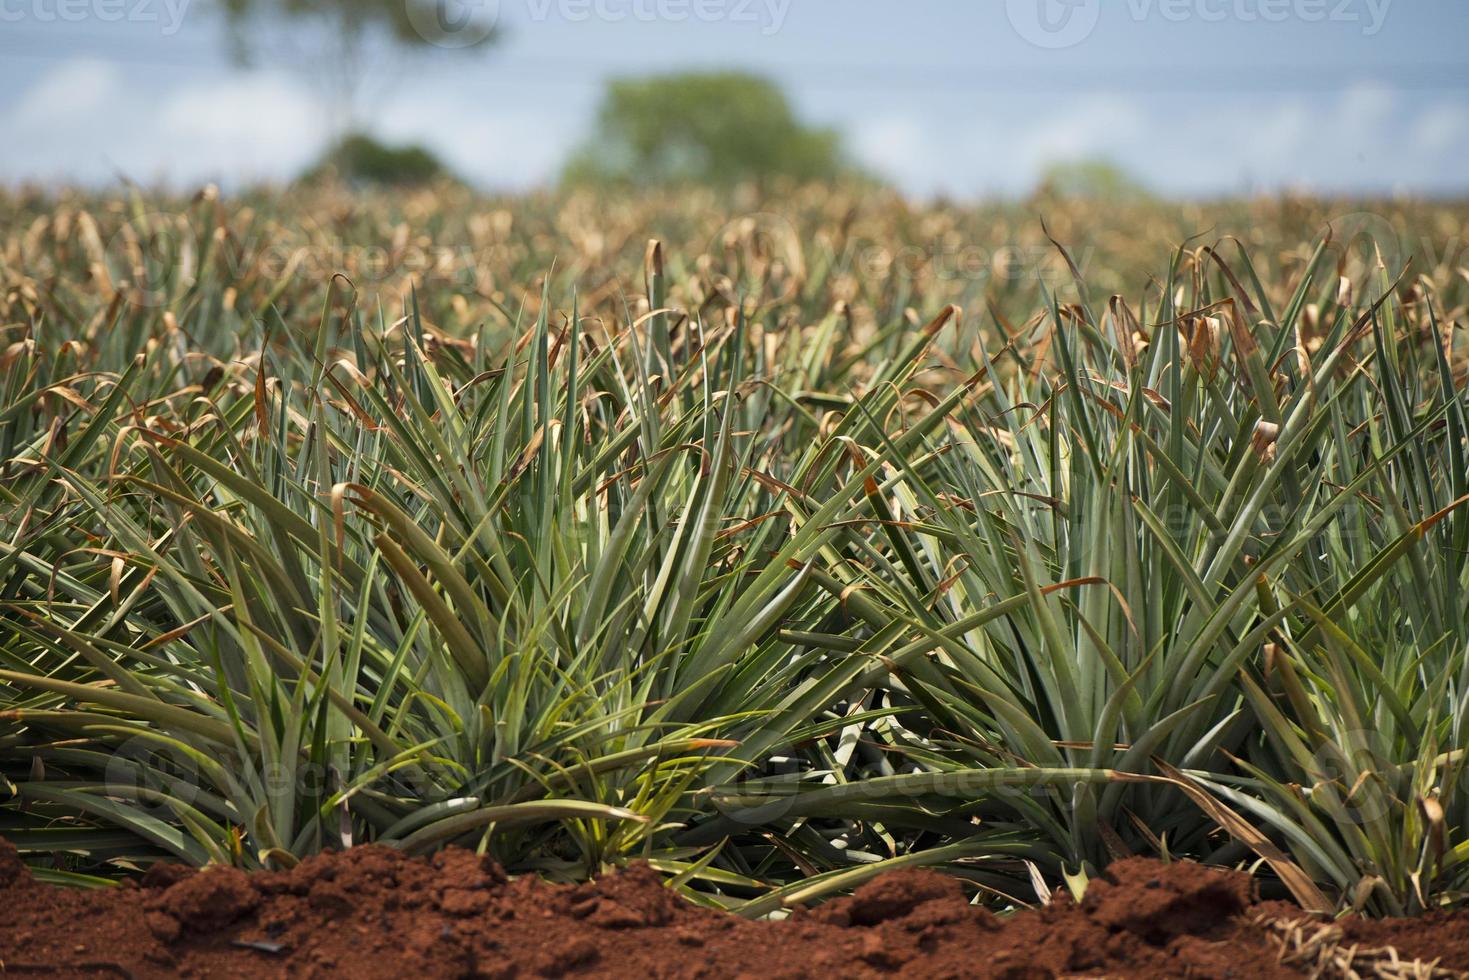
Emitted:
<point x="1318" y="950"/>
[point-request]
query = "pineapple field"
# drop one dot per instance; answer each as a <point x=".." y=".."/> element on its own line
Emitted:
<point x="763" y="545"/>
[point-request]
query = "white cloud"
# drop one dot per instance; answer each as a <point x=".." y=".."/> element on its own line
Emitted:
<point x="1441" y="128"/>
<point x="71" y="90"/>
<point x="92" y="121"/>
<point x="88" y="121"/>
<point x="1366" y="105"/>
<point x="509" y="146"/>
<point x="892" y="144"/>
<point x="1097" y="126"/>
<point x="1364" y="138"/>
<point x="249" y="126"/>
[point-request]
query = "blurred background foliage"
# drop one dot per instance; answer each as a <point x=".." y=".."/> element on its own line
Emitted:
<point x="358" y="159"/>
<point x="710" y="129"/>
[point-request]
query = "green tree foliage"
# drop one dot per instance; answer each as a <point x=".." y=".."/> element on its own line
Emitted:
<point x="1095" y="178"/>
<point x="710" y="128"/>
<point x="411" y="23"/>
<point x="359" y="158"/>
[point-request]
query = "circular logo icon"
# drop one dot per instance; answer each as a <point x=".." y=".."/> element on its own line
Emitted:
<point x="152" y="776"/>
<point x="762" y="793"/>
<point x="1054" y="24"/>
<point x="1350" y="781"/>
<point x="1364" y="236"/>
<point x="454" y="23"/>
<point x="759" y="252"/>
<point x="155" y="255"/>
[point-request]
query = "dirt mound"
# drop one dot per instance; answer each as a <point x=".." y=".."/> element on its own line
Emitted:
<point x="371" y="912"/>
<point x="13" y="872"/>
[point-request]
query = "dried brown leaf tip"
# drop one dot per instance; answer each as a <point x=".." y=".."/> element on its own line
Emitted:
<point x="1205" y="335"/>
<point x="1264" y="439"/>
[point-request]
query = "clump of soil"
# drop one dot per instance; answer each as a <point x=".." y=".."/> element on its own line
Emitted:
<point x="372" y="912"/>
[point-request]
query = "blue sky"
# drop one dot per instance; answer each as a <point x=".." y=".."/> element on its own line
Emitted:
<point x="958" y="97"/>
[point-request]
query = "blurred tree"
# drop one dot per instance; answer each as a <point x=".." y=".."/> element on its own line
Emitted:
<point x="711" y="128"/>
<point x="359" y="159"/>
<point x="1096" y="178"/>
<point x="340" y="39"/>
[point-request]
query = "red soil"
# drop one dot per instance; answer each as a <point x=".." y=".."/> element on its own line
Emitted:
<point x="372" y="912"/>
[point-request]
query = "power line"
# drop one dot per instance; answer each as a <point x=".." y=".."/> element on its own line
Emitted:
<point x="177" y="52"/>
